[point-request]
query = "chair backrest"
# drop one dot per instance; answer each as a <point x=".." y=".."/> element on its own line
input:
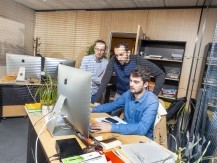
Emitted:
<point x="175" y="108"/>
<point x="160" y="129"/>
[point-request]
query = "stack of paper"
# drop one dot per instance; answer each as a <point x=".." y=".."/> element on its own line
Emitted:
<point x="92" y="157"/>
<point x="33" y="107"/>
<point x="147" y="152"/>
<point x="110" y="143"/>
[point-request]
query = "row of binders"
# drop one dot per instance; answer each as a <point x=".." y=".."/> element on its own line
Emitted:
<point x="33" y="107"/>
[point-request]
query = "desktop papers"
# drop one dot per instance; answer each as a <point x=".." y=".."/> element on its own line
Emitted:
<point x="93" y="157"/>
<point x="110" y="143"/>
<point x="149" y="152"/>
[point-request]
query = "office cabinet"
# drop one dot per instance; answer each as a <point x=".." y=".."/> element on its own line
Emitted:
<point x="167" y="55"/>
<point x="13" y="97"/>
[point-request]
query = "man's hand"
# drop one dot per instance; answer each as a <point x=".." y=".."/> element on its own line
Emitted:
<point x="102" y="127"/>
<point x="96" y="104"/>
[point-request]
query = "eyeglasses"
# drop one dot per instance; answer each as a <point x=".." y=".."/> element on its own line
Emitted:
<point x="100" y="50"/>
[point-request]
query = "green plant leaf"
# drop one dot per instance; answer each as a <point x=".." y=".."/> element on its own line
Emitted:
<point x="47" y="92"/>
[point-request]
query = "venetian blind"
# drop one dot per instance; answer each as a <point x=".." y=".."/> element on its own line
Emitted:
<point x="67" y="34"/>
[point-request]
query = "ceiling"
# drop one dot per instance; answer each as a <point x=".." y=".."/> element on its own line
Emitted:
<point x="45" y="5"/>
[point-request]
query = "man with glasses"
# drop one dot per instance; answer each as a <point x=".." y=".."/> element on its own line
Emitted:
<point x="122" y="64"/>
<point x="96" y="64"/>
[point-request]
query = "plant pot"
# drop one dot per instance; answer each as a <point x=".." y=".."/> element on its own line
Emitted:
<point x="46" y="109"/>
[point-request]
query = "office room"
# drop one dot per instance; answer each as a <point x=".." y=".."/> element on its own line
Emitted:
<point x="48" y="40"/>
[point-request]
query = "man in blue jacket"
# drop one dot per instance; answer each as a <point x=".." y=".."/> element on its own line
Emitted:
<point x="122" y="64"/>
<point x="140" y="107"/>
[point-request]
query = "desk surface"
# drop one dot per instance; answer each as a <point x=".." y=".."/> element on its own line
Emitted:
<point x="17" y="83"/>
<point x="48" y="142"/>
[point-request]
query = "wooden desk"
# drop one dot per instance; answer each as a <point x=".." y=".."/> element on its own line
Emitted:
<point x="46" y="145"/>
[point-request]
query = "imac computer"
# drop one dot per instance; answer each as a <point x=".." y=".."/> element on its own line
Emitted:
<point x="74" y="91"/>
<point x="30" y="66"/>
<point x="51" y="65"/>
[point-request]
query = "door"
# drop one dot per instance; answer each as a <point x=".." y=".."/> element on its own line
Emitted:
<point x="115" y="37"/>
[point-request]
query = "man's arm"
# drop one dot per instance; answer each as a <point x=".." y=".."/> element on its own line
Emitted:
<point x="155" y="71"/>
<point x="96" y="80"/>
<point x="105" y="80"/>
<point x="142" y="127"/>
<point x="109" y="107"/>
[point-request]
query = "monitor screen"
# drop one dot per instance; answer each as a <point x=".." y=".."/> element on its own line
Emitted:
<point x="75" y="86"/>
<point x="51" y="65"/>
<point x="15" y="61"/>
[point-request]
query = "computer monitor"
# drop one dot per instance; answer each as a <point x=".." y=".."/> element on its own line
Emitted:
<point x="51" y="65"/>
<point x="32" y="65"/>
<point x="74" y="91"/>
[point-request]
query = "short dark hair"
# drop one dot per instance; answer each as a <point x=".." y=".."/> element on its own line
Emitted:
<point x="100" y="41"/>
<point x="142" y="72"/>
<point x="122" y="43"/>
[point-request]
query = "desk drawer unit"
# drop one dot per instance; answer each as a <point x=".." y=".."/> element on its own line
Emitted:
<point x="13" y="97"/>
<point x="13" y="111"/>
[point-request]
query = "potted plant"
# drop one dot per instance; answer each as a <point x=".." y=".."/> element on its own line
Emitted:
<point x="90" y="49"/>
<point x="47" y="93"/>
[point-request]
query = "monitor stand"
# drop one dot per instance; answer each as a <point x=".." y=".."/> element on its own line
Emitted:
<point x="54" y="115"/>
<point x="21" y="74"/>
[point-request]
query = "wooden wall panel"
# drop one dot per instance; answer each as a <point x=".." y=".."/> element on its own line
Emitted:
<point x="68" y="34"/>
<point x="174" y="24"/>
<point x="56" y="32"/>
<point x="122" y="21"/>
<point x="140" y="17"/>
<point x="105" y="26"/>
<point x="86" y="32"/>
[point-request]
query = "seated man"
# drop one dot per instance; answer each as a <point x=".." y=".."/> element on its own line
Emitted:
<point x="140" y="107"/>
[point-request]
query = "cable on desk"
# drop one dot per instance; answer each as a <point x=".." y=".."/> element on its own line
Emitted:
<point x="36" y="142"/>
<point x="56" y="157"/>
<point x="30" y="91"/>
<point x="38" y="121"/>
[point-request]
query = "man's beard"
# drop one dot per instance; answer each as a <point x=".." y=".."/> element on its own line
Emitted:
<point x="136" y="92"/>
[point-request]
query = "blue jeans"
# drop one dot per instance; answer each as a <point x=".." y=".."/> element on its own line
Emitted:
<point x="93" y="97"/>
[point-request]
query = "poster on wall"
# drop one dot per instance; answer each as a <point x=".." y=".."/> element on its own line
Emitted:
<point x="11" y="37"/>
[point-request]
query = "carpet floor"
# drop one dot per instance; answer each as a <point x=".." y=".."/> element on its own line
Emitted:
<point x="13" y="140"/>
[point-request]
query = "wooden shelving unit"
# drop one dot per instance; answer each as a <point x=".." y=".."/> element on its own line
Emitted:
<point x="168" y="55"/>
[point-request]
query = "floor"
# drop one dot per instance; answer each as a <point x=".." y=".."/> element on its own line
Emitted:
<point x="13" y="140"/>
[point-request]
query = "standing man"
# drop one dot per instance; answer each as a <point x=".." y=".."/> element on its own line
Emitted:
<point x="140" y="107"/>
<point x="96" y="64"/>
<point x="122" y="64"/>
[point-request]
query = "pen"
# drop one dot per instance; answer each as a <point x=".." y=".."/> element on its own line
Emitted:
<point x="94" y="158"/>
<point x="82" y="138"/>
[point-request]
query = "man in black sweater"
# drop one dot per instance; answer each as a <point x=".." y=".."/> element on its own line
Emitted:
<point x="122" y="64"/>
